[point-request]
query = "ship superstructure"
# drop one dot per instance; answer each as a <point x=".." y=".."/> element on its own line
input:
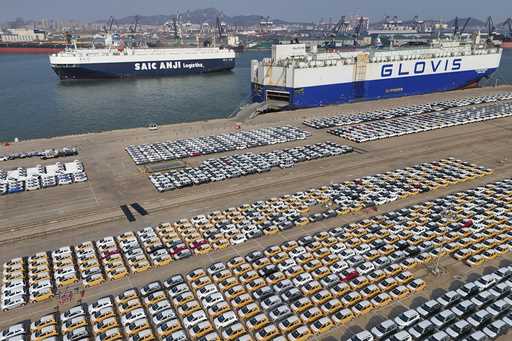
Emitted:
<point x="309" y="79"/>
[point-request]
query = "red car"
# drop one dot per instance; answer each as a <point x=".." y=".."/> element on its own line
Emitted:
<point x="198" y="243"/>
<point x="468" y="223"/>
<point x="108" y="253"/>
<point x="350" y="276"/>
<point x="177" y="249"/>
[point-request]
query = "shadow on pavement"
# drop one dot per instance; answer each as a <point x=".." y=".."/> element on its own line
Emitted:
<point x="375" y="320"/>
<point x="456" y="284"/>
<point x="505" y="262"/>
<point x="350" y="331"/>
<point x="438" y="292"/>
<point x="417" y="301"/>
<point x="489" y="269"/>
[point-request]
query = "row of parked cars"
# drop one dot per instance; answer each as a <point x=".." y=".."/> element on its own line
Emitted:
<point x="132" y="252"/>
<point x="38" y="177"/>
<point x="309" y="285"/>
<point x="287" y="283"/>
<point x="234" y="166"/>
<point x="43" y="154"/>
<point x="378" y="130"/>
<point x="348" y="119"/>
<point x="203" y="145"/>
<point x="478" y="310"/>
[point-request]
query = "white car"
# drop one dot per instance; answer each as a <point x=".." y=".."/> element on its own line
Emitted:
<point x="407" y="318"/>
<point x="225" y="320"/>
<point x="104" y="302"/>
<point x="194" y="318"/>
<point x="71" y="313"/>
<point x="12" y="331"/>
<point x="13" y="302"/>
<point x="238" y="239"/>
<point x="132" y="316"/>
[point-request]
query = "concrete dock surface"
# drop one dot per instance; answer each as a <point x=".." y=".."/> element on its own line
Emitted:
<point x="46" y="219"/>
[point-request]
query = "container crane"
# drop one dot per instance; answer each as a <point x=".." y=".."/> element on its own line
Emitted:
<point x="357" y="31"/>
<point x="333" y="33"/>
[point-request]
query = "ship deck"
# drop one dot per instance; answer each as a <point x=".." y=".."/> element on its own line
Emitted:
<point x="42" y="220"/>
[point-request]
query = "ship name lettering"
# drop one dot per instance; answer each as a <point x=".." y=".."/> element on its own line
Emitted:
<point x="420" y="67"/>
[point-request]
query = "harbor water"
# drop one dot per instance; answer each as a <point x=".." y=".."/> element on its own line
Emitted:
<point x="34" y="103"/>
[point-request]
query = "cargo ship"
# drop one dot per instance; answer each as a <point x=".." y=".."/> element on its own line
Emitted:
<point x="302" y="79"/>
<point x="506" y="43"/>
<point x="30" y="47"/>
<point x="121" y="62"/>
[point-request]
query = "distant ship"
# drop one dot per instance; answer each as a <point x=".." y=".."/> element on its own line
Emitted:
<point x="30" y="47"/>
<point x="299" y="79"/>
<point x="506" y="43"/>
<point x="123" y="62"/>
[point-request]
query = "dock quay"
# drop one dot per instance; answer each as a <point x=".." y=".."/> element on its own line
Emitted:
<point x="42" y="220"/>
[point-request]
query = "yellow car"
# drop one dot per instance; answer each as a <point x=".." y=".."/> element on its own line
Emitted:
<point x="340" y="289"/>
<point x="201" y="282"/>
<point x="242" y="269"/>
<point x="45" y="333"/>
<point x="359" y="282"/>
<point x="342" y="316"/>
<point x="257" y="322"/>
<point x="219" y="309"/>
<point x="311" y="288"/>
<point x="289" y="324"/>
<point x="362" y="307"/>
<point x="370" y="291"/>
<point x="200" y="329"/>
<point x="321" y="297"/>
<point x="275" y="278"/>
<point x="416" y="285"/>
<point x="228" y="283"/>
<point x="321" y="325"/>
<point x="117" y="274"/>
<point x="381" y="300"/>
<point x="248" y="311"/>
<point x="221" y="275"/>
<point x="400" y="292"/>
<point x="241" y="301"/>
<point x="351" y="298"/>
<point x="256" y="284"/>
<point x="140" y="267"/>
<point x="73" y="324"/>
<point x="475" y="260"/>
<point x="301" y="305"/>
<point x="233" y="332"/>
<point x="105" y="325"/>
<point x="269" y="230"/>
<point x="267" y="333"/>
<point x="301" y="333"/>
<point x="311" y="315"/>
<point x="41" y="295"/>
<point x="188" y="308"/>
<point x="235" y="262"/>
<point x="331" y="306"/>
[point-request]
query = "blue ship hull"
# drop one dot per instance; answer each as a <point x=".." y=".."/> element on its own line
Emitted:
<point x="142" y="69"/>
<point x="370" y="90"/>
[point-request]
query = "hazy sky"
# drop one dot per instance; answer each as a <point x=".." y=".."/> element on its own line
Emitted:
<point x="298" y="10"/>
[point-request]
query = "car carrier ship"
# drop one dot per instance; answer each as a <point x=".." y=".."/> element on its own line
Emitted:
<point x="302" y="79"/>
<point x="124" y="62"/>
